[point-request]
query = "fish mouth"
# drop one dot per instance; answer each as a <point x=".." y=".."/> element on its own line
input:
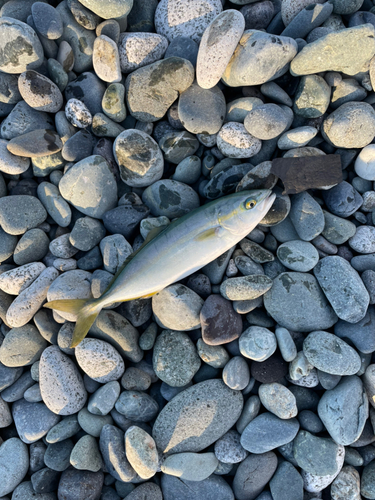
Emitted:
<point x="268" y="198"/>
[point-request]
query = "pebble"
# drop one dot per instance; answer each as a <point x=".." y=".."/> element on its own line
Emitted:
<point x="22" y="346"/>
<point x="55" y="205"/>
<point x="236" y="373"/>
<point x="220" y="323"/>
<point x="296" y="302"/>
<point x="364" y="164"/>
<point x="106" y="59"/>
<point x="243" y="67"/>
<point x="141" y="49"/>
<point x="76" y="484"/>
<point x="65" y="429"/>
<point x="190" y="466"/>
<point x="350" y="300"/>
<point x="17" y="280"/>
<point x="266" y="121"/>
<point x="170" y="198"/>
<point x="61" y="384"/>
<point x="175" y="358"/>
<point x="298" y="255"/>
<point x="14" y="464"/>
<point x="346" y="483"/>
<point x="99" y="360"/>
<point x="245" y="287"/>
<point x="135" y="380"/>
<point x="278" y="400"/>
<point x="344" y="410"/>
<point x="314" y="483"/>
<point x="234" y="141"/>
<point x="35" y="144"/>
<point x="260" y="468"/>
<point x="316" y="455"/>
<point x="190" y="20"/>
<point x="32" y="420"/>
<point x="18" y="213"/>
<point x="137" y="406"/>
<point x="183" y="46"/>
<point x="47" y="20"/>
<point x="103" y="400"/>
<point x="202" y="425"/>
<point x="39" y="92"/>
<point x="23" y="119"/>
<point x="86" y="233"/>
<point x="286" y="344"/>
<point x="11" y="164"/>
<point x="228" y="448"/>
<point x="312" y="97"/>
<point x="257" y="343"/>
<point x="177" y="308"/>
<point x="77" y="113"/>
<point x="296" y="138"/>
<point x="218" y="43"/>
<point x="85" y="455"/>
<point x="141" y="452"/>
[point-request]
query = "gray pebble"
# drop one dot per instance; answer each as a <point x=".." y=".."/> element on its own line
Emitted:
<point x="245" y="287"/>
<point x="112" y="447"/>
<point x="65" y="429"/>
<point x="92" y="424"/>
<point x="103" y="400"/>
<point x="286" y="344"/>
<point x="257" y="343"/>
<point x="55" y="205"/>
<point x="315" y="454"/>
<point x="346" y="483"/>
<point x="215" y="356"/>
<point x="260" y="468"/>
<point x="228" y="448"/>
<point x="86" y="233"/>
<point x="32" y="420"/>
<point x="75" y="484"/>
<point x="77" y="113"/>
<point x="17" y="389"/>
<point x="57" y="455"/>
<point x="234" y="141"/>
<point x="236" y="373"/>
<point x="214" y="487"/>
<point x="18" y="213"/>
<point x="298" y="255"/>
<point x="266" y="122"/>
<point x="140" y="49"/>
<point x="278" y="400"/>
<point x="135" y="380"/>
<point x="141" y="452"/>
<point x="106" y="59"/>
<point x="47" y="20"/>
<point x="170" y="198"/>
<point x="40" y="92"/>
<point x="22" y="346"/>
<point x="137" y="406"/>
<point x="14" y="463"/>
<point x="190" y="466"/>
<point x="11" y="164"/>
<point x="85" y="455"/>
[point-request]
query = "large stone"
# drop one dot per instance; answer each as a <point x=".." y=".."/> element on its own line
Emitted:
<point x="253" y="474"/>
<point x="32" y="420"/>
<point x="197" y="417"/>
<point x="18" y="213"/>
<point x="110" y="10"/>
<point x="170" y="198"/>
<point x="297" y="303"/>
<point x="362" y="334"/>
<point x="14" y="463"/>
<point x="22" y="346"/>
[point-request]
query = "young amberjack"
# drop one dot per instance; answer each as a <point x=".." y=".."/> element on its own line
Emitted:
<point x="178" y="250"/>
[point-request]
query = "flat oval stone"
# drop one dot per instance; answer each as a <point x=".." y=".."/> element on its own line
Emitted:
<point x="210" y="409"/>
<point x="170" y="198"/>
<point x="364" y="240"/>
<point x="137" y="406"/>
<point x="307" y="216"/>
<point x="296" y="302"/>
<point x="139" y="158"/>
<point x="257" y="343"/>
<point x="11" y="164"/>
<point x="278" y="400"/>
<point x="362" y="333"/>
<point x="116" y="8"/>
<point x="35" y="144"/>
<point x="47" y="20"/>
<point x="217" y="46"/>
<point x="75" y="484"/>
<point x="175" y="358"/>
<point x="173" y="19"/>
<point x="85" y="455"/>
<point x="344" y="410"/>
<point x="140" y="49"/>
<point x="90" y="179"/>
<point x="86" y="89"/>
<point x="260" y="468"/>
<point x="141" y="452"/>
<point x="153" y="89"/>
<point x="298" y="255"/>
<point x="16" y="280"/>
<point x="220" y="323"/>
<point x="343" y="288"/>
<point x="190" y="466"/>
<point x="18" y="213"/>
<point x="22" y="346"/>
<point x="40" y="92"/>
<point x="245" y="287"/>
<point x="312" y="97"/>
<point x="23" y="119"/>
<point x="99" y="360"/>
<point x="32" y="420"/>
<point x="65" y="429"/>
<point x="266" y="122"/>
<point x="342" y="200"/>
<point x="103" y="400"/>
<point x="61" y="385"/>
<point x="234" y="141"/>
<point x="14" y="464"/>
<point x="55" y="205"/>
<point x="20" y="46"/>
<point x="267" y="432"/>
<point x="106" y="59"/>
<point x="331" y="354"/>
<point x="178" y="308"/>
<point x="244" y="68"/>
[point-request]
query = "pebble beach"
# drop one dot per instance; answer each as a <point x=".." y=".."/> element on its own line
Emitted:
<point x="252" y="378"/>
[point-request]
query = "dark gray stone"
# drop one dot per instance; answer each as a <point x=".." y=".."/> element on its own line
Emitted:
<point x="23" y="119"/>
<point x="112" y="447"/>
<point x="20" y="213"/>
<point x="307" y="216"/>
<point x="14" y="463"/>
<point x="342" y="200"/>
<point x="315" y="454"/>
<point x="287" y="483"/>
<point x="212" y="488"/>
<point x="185" y="47"/>
<point x="33" y="420"/>
<point x="220" y="323"/>
<point x="170" y="198"/>
<point x="32" y="247"/>
<point x="78" y="485"/>
<point x="253" y="474"/>
<point x="125" y="219"/>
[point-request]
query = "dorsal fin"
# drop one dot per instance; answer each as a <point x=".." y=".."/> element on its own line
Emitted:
<point x="151" y="235"/>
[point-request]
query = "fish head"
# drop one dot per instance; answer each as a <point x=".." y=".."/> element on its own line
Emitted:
<point x="242" y="211"/>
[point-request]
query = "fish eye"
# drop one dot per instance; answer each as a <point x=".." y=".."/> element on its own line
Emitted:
<point x="249" y="204"/>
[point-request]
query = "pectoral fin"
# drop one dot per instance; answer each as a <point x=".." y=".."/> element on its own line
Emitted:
<point x="217" y="231"/>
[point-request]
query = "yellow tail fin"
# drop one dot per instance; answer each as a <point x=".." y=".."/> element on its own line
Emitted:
<point x="86" y="311"/>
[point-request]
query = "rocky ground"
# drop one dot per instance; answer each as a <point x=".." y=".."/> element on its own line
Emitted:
<point x="254" y="378"/>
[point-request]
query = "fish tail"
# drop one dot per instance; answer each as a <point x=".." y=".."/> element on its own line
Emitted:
<point x="86" y="310"/>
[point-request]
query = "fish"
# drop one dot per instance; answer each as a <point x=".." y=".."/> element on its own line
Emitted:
<point x="183" y="247"/>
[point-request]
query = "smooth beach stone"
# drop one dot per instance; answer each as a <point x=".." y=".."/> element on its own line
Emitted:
<point x="342" y="200"/>
<point x="203" y="423"/>
<point x="178" y="145"/>
<point x="218" y="43"/>
<point x="202" y="110"/>
<point x="40" y="92"/>
<point x="178" y="308"/>
<point x="114" y="9"/>
<point x="25" y="490"/>
<point x="43" y="482"/>
<point x="78" y="113"/>
<point x="257" y="343"/>
<point x="32" y="420"/>
<point x="5" y="414"/>
<point x="350" y="299"/>
<point x="278" y="400"/>
<point x="61" y="247"/>
<point x="23" y="119"/>
<point x="247" y="266"/>
<point x="14" y="464"/>
<point x="137" y="406"/>
<point x="258" y="15"/>
<point x="86" y="233"/>
<point x="77" y="484"/>
<point x="236" y="373"/>
<point x="8" y="244"/>
<point x="239" y="108"/>
<point x="35" y="144"/>
<point x="337" y="230"/>
<point x="183" y="46"/>
<point x="286" y="344"/>
<point x="99" y="360"/>
<point x="244" y="67"/>
<point x="312" y="97"/>
<point x="363" y="240"/>
<point x="245" y="287"/>
<point x="11" y="164"/>
<point x="45" y="165"/>
<point x="65" y="429"/>
<point x="330" y="354"/>
<point x="145" y="86"/>
<point x="103" y="400"/>
<point x="190" y="19"/>
<point x="306" y="216"/>
<point x="214" y="487"/>
<point x="352" y="49"/>
<point x="364" y="164"/>
<point x="139" y="158"/>
<point x="220" y="323"/>
<point x="257" y="253"/>
<point x="298" y="255"/>
<point x="190" y="466"/>
<point x="85" y="455"/>
<point x="92" y="424"/>
<point x="343" y="127"/>
<point x="266" y="121"/>
<point x="17" y="389"/>
<point x="228" y="448"/>
<point x="102" y="186"/>
<point x="347" y="90"/>
<point x="234" y="141"/>
<point x="290" y="8"/>
<point x="169" y="198"/>
<point x="86" y="89"/>
<point x="141" y="452"/>
<point x="315" y="454"/>
<point x="297" y="137"/>
<point x="124" y="220"/>
<point x="260" y="468"/>
<point x="106" y="59"/>
<point x="309" y="421"/>
<point x="61" y="384"/>
<point x="22" y="346"/>
<point x="344" y="410"/>
<point x="115" y="250"/>
<point x="307" y="20"/>
<point x="16" y="280"/>
<point x="346" y="483"/>
<point x="188" y="170"/>
<point x="175" y="358"/>
<point x="55" y="205"/>
<point x="113" y="102"/>
<point x="18" y="213"/>
<point x="286" y="483"/>
<point x="296" y="302"/>
<point x="47" y="20"/>
<point x="20" y="46"/>
<point x="140" y="49"/>
<point x="9" y="93"/>
<point x="267" y="432"/>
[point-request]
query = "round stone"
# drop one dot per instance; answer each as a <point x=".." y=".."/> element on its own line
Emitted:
<point x="236" y="373"/>
<point x="20" y="47"/>
<point x="85" y="455"/>
<point x="77" y="484"/>
<point x="106" y="59"/>
<point x="342" y="200"/>
<point x="141" y="452"/>
<point x="114" y="9"/>
<point x="234" y="141"/>
<point x="47" y="20"/>
<point x="99" y="360"/>
<point x="239" y="108"/>
<point x="22" y="346"/>
<point x="173" y="19"/>
<point x="220" y="323"/>
<point x="278" y="399"/>
<point x="139" y="158"/>
<point x="228" y="448"/>
<point x="140" y="49"/>
<point x="32" y="420"/>
<point x="312" y="97"/>
<point x="364" y="240"/>
<point x="18" y="213"/>
<point x="257" y="343"/>
<point x="103" y="399"/>
<point x="266" y="122"/>
<point x="365" y="163"/>
<point x="260" y="468"/>
<point x="40" y="92"/>
<point x="17" y="280"/>
<point x="298" y="255"/>
<point x="178" y="145"/>
<point x="190" y="466"/>
<point x="170" y="198"/>
<point x="175" y="358"/>
<point x="36" y="144"/>
<point x="137" y="406"/>
<point x="245" y="287"/>
<point x="297" y="137"/>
